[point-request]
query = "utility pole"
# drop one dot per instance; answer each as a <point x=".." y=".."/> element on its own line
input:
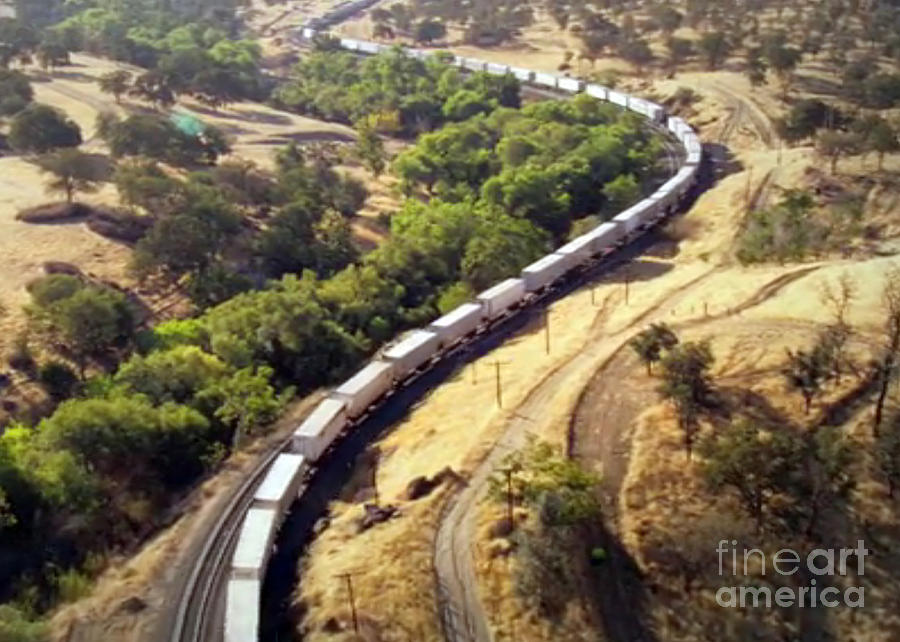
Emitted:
<point x="499" y="384"/>
<point x="348" y="577"/>
<point x="547" y="331"/>
<point x="593" y="296"/>
<point x="627" y="279"/>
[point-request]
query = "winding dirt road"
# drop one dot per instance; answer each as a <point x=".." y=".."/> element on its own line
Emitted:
<point x="604" y="361"/>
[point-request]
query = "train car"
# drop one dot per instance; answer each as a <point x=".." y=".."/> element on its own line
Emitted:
<point x="280" y="487"/>
<point x="502" y="297"/>
<point x="473" y="64"/>
<point x="458" y="323"/>
<point x="545" y="79"/>
<point x="254" y="546"/>
<point x="242" y="606"/>
<point x="606" y="237"/>
<point x="573" y="85"/>
<point x="656" y="113"/>
<point x="544" y="271"/>
<point x="524" y="75"/>
<point x="597" y="91"/>
<point x="639" y="106"/>
<point x="497" y="69"/>
<point x="350" y="44"/>
<point x="321" y="427"/>
<point x="577" y="251"/>
<point x="308" y="33"/>
<point x="636" y="216"/>
<point x="412" y="352"/>
<point x="370" y="47"/>
<point x="365" y="387"/>
<point x="617" y="98"/>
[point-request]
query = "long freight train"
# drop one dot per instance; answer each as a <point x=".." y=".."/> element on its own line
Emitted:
<point x="348" y="403"/>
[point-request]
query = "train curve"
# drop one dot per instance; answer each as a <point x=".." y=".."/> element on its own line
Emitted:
<point x="246" y="529"/>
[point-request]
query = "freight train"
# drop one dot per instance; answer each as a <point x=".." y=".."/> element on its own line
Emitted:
<point x="348" y="404"/>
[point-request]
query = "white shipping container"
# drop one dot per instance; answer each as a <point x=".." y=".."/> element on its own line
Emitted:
<point x="497" y="69"/>
<point x="693" y="158"/>
<point x="571" y="84"/>
<point x="544" y="271"/>
<point x="473" y="64"/>
<point x="656" y="113"/>
<point x="525" y="75"/>
<point x="282" y="483"/>
<point x="308" y="33"/>
<point x="597" y="91"/>
<point x="320" y="428"/>
<point x="349" y="43"/>
<point x="632" y="218"/>
<point x="367" y="385"/>
<point x="412" y="352"/>
<point x="605" y="236"/>
<point x="457" y="323"/>
<point x="618" y="98"/>
<point x="254" y="544"/>
<point x="369" y="47"/>
<point x="639" y="106"/>
<point x="501" y="297"/>
<point x="578" y="250"/>
<point x="548" y="80"/>
<point x="242" y="611"/>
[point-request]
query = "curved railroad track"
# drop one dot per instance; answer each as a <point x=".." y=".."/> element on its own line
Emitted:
<point x="201" y="598"/>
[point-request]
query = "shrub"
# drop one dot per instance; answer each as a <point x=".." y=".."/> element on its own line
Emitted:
<point x="58" y="379"/>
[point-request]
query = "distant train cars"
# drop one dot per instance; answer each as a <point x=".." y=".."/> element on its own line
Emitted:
<point x="348" y="404"/>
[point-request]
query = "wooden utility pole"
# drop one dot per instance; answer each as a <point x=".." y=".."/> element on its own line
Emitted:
<point x="627" y="279"/>
<point x="499" y="383"/>
<point x="547" y="331"/>
<point x="348" y="577"/>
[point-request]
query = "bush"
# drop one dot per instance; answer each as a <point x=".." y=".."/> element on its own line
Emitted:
<point x="40" y="129"/>
<point x="72" y="585"/>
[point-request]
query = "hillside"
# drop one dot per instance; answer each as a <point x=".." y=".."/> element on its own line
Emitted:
<point x="592" y="393"/>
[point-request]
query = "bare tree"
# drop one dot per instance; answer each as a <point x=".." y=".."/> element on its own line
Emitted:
<point x="886" y="365"/>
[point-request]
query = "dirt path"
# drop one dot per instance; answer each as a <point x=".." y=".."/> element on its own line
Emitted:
<point x="605" y="361"/>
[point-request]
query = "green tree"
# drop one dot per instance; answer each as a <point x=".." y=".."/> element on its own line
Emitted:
<point x="650" y="343"/>
<point x="40" y="129"/>
<point x="89" y="323"/>
<point x="621" y="192"/>
<point x="783" y="61"/>
<point x="833" y="144"/>
<point x="759" y="463"/>
<point x="429" y="31"/>
<point x="117" y="83"/>
<point x="686" y="383"/>
<point x="715" y="48"/>
<point x="15" y="92"/>
<point x="370" y="148"/>
<point x="71" y="171"/>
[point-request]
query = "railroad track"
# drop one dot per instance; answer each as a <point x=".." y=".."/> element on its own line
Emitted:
<point x="201" y="598"/>
<point x="193" y="621"/>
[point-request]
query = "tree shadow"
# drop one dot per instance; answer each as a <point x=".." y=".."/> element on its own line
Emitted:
<point x="620" y="594"/>
<point x="306" y="137"/>
<point x="257" y="116"/>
